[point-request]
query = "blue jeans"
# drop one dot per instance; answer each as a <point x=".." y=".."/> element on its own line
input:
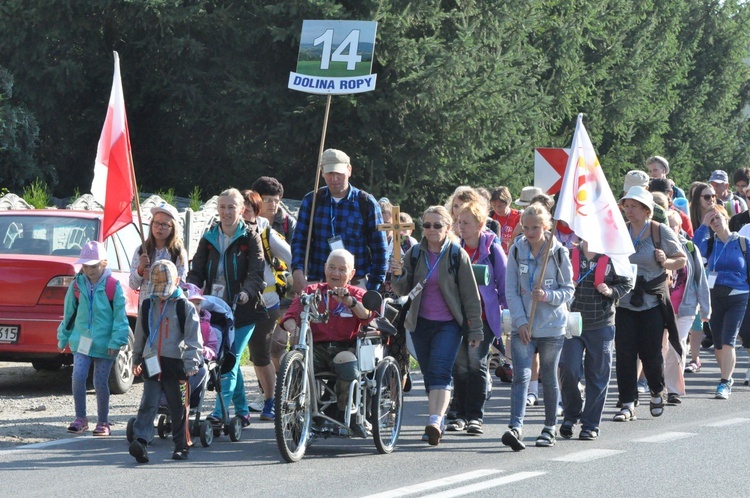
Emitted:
<point x="470" y="378"/>
<point x="102" y="366"/>
<point x="436" y="345"/>
<point x="549" y="356"/>
<point x="596" y="368"/>
<point x="232" y="383"/>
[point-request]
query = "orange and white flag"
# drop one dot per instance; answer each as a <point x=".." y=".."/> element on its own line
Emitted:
<point x="587" y="205"/>
<point x="113" y="178"/>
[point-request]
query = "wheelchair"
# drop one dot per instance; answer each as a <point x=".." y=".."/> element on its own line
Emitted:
<point x="305" y="399"/>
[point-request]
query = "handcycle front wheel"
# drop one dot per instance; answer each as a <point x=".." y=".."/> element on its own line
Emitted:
<point x="387" y="403"/>
<point x="293" y="408"/>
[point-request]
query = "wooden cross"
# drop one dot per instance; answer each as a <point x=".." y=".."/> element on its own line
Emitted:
<point x="396" y="226"/>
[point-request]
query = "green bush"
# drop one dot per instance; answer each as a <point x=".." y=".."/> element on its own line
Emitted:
<point x="168" y="196"/>
<point x="37" y="194"/>
<point x="195" y="198"/>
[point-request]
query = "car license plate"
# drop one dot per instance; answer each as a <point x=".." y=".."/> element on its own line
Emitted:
<point x="9" y="333"/>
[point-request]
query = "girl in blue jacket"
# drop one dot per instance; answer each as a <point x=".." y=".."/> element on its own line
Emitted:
<point x="95" y="327"/>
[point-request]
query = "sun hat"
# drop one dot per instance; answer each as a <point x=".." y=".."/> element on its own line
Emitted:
<point x="334" y="161"/>
<point x="166" y="209"/>
<point x="193" y="292"/>
<point x="659" y="159"/>
<point x="92" y="253"/>
<point x="641" y="195"/>
<point x="163" y="278"/>
<point x="528" y="193"/>
<point x="635" y="178"/>
<point x="719" y="176"/>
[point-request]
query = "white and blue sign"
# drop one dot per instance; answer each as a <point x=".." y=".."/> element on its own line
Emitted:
<point x="335" y="57"/>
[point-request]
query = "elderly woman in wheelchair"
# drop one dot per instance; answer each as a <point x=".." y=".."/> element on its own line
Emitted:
<point x="343" y="385"/>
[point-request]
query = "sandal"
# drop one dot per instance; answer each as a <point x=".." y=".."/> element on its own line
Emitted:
<point x="626" y="414"/>
<point x="546" y="439"/>
<point x="566" y="429"/>
<point x="102" y="429"/>
<point x="456" y="425"/>
<point x="657" y="409"/>
<point x="588" y="434"/>
<point x="78" y="426"/>
<point x="474" y="427"/>
<point x="693" y="367"/>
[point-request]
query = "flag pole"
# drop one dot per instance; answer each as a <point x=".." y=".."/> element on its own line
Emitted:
<point x="137" y="195"/>
<point x="317" y="182"/>
<point x="538" y="283"/>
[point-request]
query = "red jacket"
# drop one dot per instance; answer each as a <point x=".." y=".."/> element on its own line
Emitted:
<point x="342" y="325"/>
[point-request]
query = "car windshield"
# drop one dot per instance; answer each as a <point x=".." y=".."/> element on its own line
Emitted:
<point x="46" y="235"/>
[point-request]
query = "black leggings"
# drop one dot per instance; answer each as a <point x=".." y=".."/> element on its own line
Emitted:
<point x="260" y="341"/>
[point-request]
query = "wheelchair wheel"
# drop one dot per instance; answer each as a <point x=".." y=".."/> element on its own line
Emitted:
<point x="206" y="433"/>
<point x="163" y="427"/>
<point x="129" y="430"/>
<point x="235" y="429"/>
<point x="292" y="418"/>
<point x="387" y="402"/>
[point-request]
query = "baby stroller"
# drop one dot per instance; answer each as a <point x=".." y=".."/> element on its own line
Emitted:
<point x="207" y="378"/>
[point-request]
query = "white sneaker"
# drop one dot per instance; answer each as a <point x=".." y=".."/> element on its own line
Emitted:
<point x="642" y="386"/>
<point x="532" y="399"/>
<point x="256" y="405"/>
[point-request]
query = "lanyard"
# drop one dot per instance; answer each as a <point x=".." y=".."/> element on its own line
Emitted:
<point x="339" y="309"/>
<point x="718" y="256"/>
<point x="92" y="289"/>
<point x="155" y="327"/>
<point x="333" y="217"/>
<point x="220" y="270"/>
<point x="531" y="274"/>
<point x="591" y="268"/>
<point x="427" y="261"/>
<point x="638" y="239"/>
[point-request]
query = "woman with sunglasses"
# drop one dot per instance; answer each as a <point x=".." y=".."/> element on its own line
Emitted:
<point x="163" y="242"/>
<point x="444" y="299"/>
<point x="702" y="200"/>
<point x="728" y="263"/>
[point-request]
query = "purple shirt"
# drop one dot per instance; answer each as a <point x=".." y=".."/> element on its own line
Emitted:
<point x="433" y="305"/>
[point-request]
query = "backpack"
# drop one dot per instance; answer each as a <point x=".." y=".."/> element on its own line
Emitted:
<point x="146" y="307"/>
<point x="599" y="272"/>
<point x="363" y="199"/>
<point x="280" y="270"/>
<point x="109" y="288"/>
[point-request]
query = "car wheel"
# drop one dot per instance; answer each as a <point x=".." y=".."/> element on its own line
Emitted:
<point x="48" y="365"/>
<point x="121" y="376"/>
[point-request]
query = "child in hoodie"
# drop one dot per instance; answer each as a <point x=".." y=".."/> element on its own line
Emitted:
<point x="95" y="327"/>
<point x="166" y="352"/>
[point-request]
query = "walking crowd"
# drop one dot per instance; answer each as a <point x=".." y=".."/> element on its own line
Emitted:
<point x="491" y="288"/>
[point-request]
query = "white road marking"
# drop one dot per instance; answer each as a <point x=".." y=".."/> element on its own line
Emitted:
<point x="730" y="421"/>
<point x="446" y="481"/>
<point x="588" y="455"/>
<point x="480" y="486"/>
<point x="665" y="437"/>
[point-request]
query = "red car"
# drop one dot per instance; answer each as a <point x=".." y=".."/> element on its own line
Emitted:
<point x="38" y="250"/>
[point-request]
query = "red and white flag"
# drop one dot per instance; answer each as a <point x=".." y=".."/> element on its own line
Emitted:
<point x="587" y="205"/>
<point x="113" y="179"/>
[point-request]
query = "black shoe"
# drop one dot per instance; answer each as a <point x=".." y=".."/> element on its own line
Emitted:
<point x="180" y="454"/>
<point x="407" y="384"/>
<point x="138" y="451"/>
<point x="673" y="399"/>
<point x="512" y="438"/>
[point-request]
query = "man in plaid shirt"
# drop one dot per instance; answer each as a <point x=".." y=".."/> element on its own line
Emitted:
<point x="338" y="223"/>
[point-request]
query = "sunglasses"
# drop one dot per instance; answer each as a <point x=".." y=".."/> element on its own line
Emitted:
<point x="436" y="226"/>
<point x="708" y="197"/>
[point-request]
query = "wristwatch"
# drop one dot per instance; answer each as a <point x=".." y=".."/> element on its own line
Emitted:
<point x="354" y="302"/>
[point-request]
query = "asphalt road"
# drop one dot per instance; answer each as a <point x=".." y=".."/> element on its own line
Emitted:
<point x="699" y="449"/>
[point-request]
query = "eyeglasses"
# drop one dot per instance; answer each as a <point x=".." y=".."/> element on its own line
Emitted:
<point x="271" y="200"/>
<point x="708" y="197"/>
<point x="165" y="226"/>
<point x="436" y="226"/>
